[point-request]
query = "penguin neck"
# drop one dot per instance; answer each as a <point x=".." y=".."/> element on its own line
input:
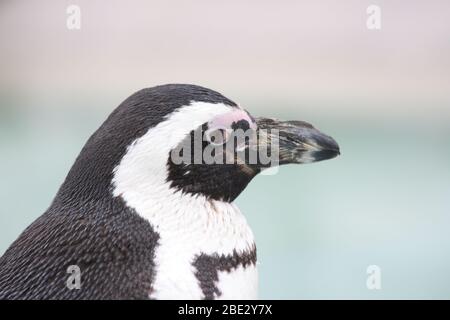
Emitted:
<point x="192" y="221"/>
<point x="189" y="220"/>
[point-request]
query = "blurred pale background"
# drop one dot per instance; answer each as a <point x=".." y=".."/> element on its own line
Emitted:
<point x="383" y="94"/>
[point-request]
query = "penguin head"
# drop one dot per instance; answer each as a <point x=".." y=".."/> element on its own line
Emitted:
<point x="187" y="140"/>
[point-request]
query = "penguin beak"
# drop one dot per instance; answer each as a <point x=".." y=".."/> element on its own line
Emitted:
<point x="295" y="141"/>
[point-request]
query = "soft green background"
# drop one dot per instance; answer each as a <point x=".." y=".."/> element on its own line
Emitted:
<point x="383" y="95"/>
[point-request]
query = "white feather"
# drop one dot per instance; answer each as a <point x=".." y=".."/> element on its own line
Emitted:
<point x="240" y="284"/>
<point x="188" y="225"/>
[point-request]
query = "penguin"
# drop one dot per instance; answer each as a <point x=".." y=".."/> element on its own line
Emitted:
<point x="136" y="222"/>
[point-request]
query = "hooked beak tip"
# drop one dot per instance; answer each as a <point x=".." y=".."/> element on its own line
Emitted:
<point x="300" y="142"/>
<point x="321" y="146"/>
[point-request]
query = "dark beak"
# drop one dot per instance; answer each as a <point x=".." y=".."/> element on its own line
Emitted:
<point x="295" y="141"/>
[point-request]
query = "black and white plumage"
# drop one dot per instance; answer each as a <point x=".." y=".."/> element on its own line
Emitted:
<point x="142" y="227"/>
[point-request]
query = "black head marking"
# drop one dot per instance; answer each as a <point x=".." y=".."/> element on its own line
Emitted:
<point x="219" y="181"/>
<point x="208" y="267"/>
<point x="241" y="124"/>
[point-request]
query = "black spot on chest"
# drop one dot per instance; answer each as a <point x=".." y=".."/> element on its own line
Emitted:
<point x="208" y="267"/>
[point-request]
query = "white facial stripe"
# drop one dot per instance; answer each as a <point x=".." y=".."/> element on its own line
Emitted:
<point x="187" y="225"/>
<point x="141" y="170"/>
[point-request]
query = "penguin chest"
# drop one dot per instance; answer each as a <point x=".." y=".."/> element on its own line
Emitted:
<point x="206" y="276"/>
<point x="211" y="256"/>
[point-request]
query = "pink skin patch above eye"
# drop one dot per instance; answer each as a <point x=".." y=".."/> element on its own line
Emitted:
<point x="225" y="121"/>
